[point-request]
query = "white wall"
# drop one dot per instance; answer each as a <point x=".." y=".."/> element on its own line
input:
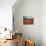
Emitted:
<point x="29" y="8"/>
<point x="43" y="22"/>
<point x="6" y="13"/>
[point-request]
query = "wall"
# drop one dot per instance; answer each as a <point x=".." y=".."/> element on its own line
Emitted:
<point x="6" y="13"/>
<point x="29" y="8"/>
<point x="43" y="22"/>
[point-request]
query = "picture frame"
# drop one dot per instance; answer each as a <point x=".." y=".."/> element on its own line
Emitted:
<point x="28" y="20"/>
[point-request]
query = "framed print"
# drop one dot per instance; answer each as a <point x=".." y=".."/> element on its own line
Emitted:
<point x="28" y="20"/>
